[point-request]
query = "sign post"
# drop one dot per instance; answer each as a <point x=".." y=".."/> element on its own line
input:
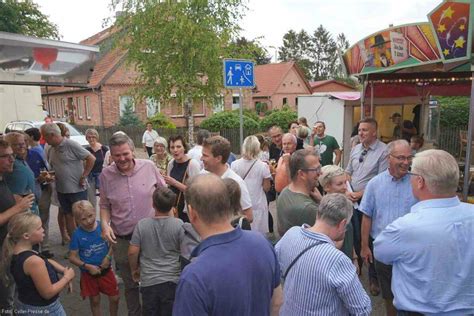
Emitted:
<point x="239" y="73"/>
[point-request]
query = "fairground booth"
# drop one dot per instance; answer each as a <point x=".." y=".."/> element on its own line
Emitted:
<point x="404" y="68"/>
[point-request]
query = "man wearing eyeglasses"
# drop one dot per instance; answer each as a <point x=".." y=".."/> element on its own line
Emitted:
<point x="431" y="248"/>
<point x="387" y="197"/>
<point x="367" y="159"/>
<point x="295" y="206"/>
<point x="10" y="205"/>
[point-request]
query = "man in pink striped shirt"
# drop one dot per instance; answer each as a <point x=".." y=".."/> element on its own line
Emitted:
<point x="125" y="198"/>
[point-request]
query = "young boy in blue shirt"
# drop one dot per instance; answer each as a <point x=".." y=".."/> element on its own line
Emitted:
<point x="92" y="255"/>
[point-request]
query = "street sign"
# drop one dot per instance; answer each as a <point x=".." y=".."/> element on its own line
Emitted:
<point x="238" y="73"/>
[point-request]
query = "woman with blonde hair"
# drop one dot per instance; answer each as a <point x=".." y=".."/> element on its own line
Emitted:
<point x="333" y="180"/>
<point x="36" y="277"/>
<point x="256" y="175"/>
<point x="161" y="157"/>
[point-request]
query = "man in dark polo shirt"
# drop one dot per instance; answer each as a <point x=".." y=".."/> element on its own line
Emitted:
<point x="234" y="272"/>
<point x="9" y="206"/>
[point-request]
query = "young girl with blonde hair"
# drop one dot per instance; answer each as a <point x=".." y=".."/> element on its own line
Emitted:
<point x="36" y="277"/>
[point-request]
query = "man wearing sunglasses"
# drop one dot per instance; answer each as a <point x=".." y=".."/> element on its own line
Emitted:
<point x="387" y="197"/>
<point x="367" y="159"/>
<point x="431" y="248"/>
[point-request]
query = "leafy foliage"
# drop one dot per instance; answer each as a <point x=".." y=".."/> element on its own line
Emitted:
<point x="454" y="111"/>
<point x="249" y="113"/>
<point x="317" y="54"/>
<point x="245" y="49"/>
<point x="24" y="17"/>
<point x="280" y="118"/>
<point x="160" y="120"/>
<point x="226" y="120"/>
<point x="177" y="45"/>
<point x="129" y="118"/>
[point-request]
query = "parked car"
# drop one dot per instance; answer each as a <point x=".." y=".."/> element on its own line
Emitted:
<point x="24" y="125"/>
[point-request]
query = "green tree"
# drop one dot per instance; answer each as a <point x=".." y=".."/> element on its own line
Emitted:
<point x="24" y="17"/>
<point x="177" y="47"/>
<point x="296" y="47"/>
<point x="280" y="118"/>
<point x="323" y="53"/>
<point x="160" y="120"/>
<point x="454" y="111"/>
<point x="129" y="118"/>
<point x="253" y="50"/>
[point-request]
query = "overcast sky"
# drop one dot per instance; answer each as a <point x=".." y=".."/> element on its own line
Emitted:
<point x="270" y="19"/>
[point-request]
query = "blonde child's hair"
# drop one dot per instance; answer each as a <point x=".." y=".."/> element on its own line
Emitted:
<point x="79" y="207"/>
<point x="18" y="225"/>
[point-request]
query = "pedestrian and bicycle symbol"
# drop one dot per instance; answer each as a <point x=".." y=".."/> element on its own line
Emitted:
<point x="238" y="73"/>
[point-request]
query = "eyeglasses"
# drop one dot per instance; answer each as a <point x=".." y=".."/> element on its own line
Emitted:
<point x="362" y="155"/>
<point x="10" y="156"/>
<point x="415" y="174"/>
<point x="318" y="169"/>
<point x="403" y="158"/>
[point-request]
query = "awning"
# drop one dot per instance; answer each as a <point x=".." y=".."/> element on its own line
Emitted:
<point x="28" y="60"/>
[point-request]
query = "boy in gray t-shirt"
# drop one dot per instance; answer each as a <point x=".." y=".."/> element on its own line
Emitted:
<point x="157" y="242"/>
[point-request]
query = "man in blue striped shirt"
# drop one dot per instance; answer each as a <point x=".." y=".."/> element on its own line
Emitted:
<point x="320" y="279"/>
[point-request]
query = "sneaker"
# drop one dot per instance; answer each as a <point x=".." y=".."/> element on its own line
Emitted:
<point x="47" y="254"/>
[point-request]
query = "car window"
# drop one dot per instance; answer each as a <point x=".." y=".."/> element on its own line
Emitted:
<point x="8" y="128"/>
<point x="73" y="131"/>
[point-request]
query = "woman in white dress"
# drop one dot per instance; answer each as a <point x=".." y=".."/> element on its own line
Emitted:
<point x="256" y="175"/>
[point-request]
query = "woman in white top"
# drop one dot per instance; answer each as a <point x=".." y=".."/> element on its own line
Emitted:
<point x="148" y="139"/>
<point x="256" y="175"/>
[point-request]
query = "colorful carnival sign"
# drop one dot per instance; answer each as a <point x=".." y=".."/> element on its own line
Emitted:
<point x="446" y="38"/>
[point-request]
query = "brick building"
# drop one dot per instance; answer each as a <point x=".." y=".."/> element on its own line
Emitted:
<point x="110" y="87"/>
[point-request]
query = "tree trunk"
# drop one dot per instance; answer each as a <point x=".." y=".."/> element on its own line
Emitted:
<point x="188" y="108"/>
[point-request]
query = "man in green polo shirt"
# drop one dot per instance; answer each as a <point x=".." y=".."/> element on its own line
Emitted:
<point x="325" y="145"/>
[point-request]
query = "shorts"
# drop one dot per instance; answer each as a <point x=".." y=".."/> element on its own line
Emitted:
<point x="66" y="200"/>
<point x="93" y="286"/>
<point x="384" y="276"/>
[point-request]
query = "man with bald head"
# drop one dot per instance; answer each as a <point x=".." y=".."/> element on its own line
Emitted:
<point x="387" y="197"/>
<point x="282" y="174"/>
<point x="236" y="271"/>
<point x="431" y="248"/>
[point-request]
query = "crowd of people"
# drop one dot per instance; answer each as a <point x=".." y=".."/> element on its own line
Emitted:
<point x="189" y="230"/>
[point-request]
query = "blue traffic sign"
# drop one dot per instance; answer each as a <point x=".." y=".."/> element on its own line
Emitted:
<point x="238" y="73"/>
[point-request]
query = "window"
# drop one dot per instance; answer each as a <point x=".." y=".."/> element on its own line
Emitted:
<point x="198" y="107"/>
<point x="285" y="101"/>
<point x="51" y="108"/>
<point x="235" y="101"/>
<point x="63" y="108"/>
<point x="296" y="101"/>
<point x="152" y="107"/>
<point x="218" y="105"/>
<point x="79" y="108"/>
<point x="88" y="108"/>
<point x="177" y="109"/>
<point x="124" y="101"/>
<point x="58" y="109"/>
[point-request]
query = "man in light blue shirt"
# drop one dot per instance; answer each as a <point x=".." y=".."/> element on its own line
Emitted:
<point x="387" y="197"/>
<point x="431" y="248"/>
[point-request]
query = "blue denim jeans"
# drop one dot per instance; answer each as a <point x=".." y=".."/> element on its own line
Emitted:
<point x="53" y="309"/>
